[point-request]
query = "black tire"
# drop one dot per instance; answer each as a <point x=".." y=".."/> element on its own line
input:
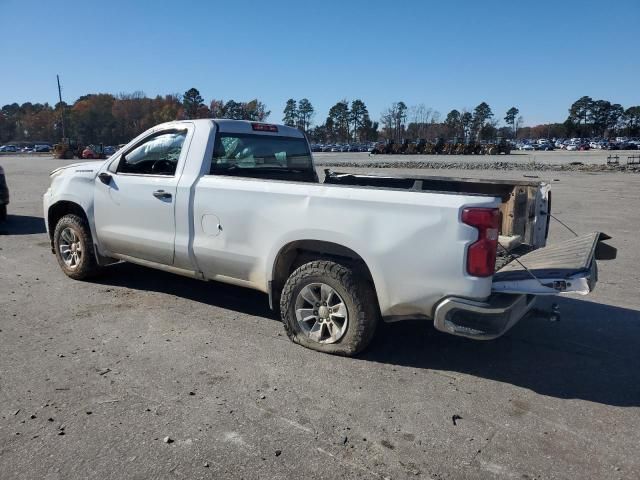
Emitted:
<point x="86" y="266"/>
<point x="356" y="293"/>
<point x="3" y="213"/>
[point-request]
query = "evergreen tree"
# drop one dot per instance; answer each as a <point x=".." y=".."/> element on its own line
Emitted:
<point x="339" y="117"/>
<point x="305" y="114"/>
<point x="290" y="113"/>
<point x="193" y="103"/>
<point x="357" y="116"/>
<point x="511" y="118"/>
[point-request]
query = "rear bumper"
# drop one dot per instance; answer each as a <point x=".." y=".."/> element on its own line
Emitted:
<point x="481" y="320"/>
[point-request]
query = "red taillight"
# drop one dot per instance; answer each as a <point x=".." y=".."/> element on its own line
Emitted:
<point x="481" y="254"/>
<point x="264" y="127"/>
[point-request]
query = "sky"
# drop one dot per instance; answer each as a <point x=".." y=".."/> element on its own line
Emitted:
<point x="539" y="56"/>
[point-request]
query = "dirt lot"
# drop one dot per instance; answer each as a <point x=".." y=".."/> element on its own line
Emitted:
<point x="93" y="376"/>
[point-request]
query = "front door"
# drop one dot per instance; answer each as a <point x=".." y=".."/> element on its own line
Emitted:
<point x="135" y="199"/>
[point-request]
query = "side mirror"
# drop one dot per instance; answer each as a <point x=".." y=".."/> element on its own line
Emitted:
<point x="105" y="178"/>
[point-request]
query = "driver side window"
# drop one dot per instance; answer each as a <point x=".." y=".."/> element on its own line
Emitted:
<point x="157" y="155"/>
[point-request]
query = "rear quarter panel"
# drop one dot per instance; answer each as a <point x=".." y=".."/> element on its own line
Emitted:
<point x="413" y="242"/>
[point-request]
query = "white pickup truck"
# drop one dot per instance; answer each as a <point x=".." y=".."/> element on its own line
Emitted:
<point x="240" y="202"/>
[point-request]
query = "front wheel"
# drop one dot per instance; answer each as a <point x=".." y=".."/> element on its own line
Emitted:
<point x="329" y="307"/>
<point x="74" y="247"/>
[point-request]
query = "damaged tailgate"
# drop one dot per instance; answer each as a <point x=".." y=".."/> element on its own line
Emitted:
<point x="566" y="267"/>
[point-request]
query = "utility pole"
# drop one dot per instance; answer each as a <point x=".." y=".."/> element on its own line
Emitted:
<point x="61" y="105"/>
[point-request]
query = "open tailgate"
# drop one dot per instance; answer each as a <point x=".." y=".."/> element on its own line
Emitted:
<point x="568" y="266"/>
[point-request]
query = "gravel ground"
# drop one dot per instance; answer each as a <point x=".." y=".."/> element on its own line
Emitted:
<point x="95" y="376"/>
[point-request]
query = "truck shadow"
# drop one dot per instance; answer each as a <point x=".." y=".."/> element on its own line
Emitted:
<point x="216" y="294"/>
<point x="22" y="225"/>
<point x="591" y="354"/>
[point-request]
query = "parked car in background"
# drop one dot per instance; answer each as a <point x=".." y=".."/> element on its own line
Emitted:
<point x="542" y="144"/>
<point x="88" y="153"/>
<point x="94" y="152"/>
<point x="109" y="150"/>
<point x="4" y="195"/>
<point x="42" y="148"/>
<point x="526" y="147"/>
<point x="9" y="148"/>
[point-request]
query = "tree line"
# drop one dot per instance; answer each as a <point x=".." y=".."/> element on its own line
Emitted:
<point x="587" y="118"/>
<point x="115" y="119"/>
<point x="598" y="118"/>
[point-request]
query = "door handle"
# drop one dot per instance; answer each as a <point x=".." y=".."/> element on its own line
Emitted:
<point x="161" y="194"/>
<point x="105" y="178"/>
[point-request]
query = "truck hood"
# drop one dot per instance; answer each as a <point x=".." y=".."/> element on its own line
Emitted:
<point x="81" y="167"/>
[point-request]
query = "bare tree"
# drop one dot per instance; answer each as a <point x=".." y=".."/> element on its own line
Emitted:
<point x="419" y="115"/>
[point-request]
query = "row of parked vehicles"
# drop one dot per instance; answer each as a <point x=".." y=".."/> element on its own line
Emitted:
<point x="64" y="150"/>
<point x="442" y="147"/>
<point x="37" y="148"/>
<point x="615" y="145"/>
<point x="579" y="144"/>
<point x="422" y="146"/>
<point x="68" y="149"/>
<point x="343" y="147"/>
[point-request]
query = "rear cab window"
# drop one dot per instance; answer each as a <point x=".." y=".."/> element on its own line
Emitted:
<point x="262" y="156"/>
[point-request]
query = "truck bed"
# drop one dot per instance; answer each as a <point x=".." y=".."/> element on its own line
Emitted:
<point x="518" y="209"/>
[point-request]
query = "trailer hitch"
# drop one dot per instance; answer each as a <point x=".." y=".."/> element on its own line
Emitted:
<point x="552" y="315"/>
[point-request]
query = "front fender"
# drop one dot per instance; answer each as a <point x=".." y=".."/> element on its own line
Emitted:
<point x="74" y="189"/>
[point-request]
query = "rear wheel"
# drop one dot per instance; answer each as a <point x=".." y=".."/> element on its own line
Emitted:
<point x="74" y="247"/>
<point x="3" y="213"/>
<point x="327" y="306"/>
